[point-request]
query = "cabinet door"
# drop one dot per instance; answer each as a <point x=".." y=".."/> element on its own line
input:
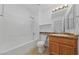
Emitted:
<point x="66" y="50"/>
<point x="53" y="39"/>
<point x="54" y="48"/>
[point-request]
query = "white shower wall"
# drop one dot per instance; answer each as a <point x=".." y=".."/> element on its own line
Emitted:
<point x="18" y="23"/>
<point x="16" y="26"/>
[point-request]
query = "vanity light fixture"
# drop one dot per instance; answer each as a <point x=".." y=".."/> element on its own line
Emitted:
<point x="53" y="10"/>
<point x="66" y="5"/>
<point x="59" y="8"/>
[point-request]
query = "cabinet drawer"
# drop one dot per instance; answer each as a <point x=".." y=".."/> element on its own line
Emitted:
<point x="68" y="41"/>
<point x="53" y="43"/>
<point x="53" y="39"/>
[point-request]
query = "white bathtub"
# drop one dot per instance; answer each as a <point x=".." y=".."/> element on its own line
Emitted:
<point x="21" y="48"/>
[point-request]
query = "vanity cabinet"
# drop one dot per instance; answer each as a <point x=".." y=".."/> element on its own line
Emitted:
<point x="62" y="45"/>
<point x="66" y="50"/>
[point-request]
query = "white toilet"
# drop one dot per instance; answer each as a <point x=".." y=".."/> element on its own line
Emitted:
<point x="40" y="46"/>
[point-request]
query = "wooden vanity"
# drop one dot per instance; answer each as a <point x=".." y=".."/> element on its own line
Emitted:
<point x="62" y="44"/>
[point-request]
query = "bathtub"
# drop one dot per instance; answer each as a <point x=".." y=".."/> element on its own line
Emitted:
<point x="18" y="49"/>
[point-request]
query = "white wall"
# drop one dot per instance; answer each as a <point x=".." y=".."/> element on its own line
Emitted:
<point x="73" y="14"/>
<point x="58" y="18"/>
<point x="16" y="22"/>
<point x="50" y="27"/>
<point x="45" y="13"/>
<point x="45" y="28"/>
<point x="76" y="17"/>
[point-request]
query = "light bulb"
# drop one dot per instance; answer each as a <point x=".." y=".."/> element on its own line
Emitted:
<point x="61" y="7"/>
<point x="57" y="8"/>
<point x="53" y="10"/>
<point x="66" y="5"/>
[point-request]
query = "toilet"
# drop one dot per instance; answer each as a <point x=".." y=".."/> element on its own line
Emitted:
<point x="40" y="46"/>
